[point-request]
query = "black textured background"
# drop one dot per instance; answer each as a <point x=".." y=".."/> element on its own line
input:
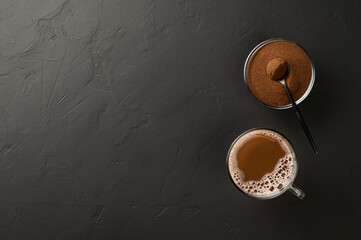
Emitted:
<point x="116" y="117"/>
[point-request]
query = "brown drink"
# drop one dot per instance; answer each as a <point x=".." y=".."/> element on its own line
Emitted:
<point x="262" y="163"/>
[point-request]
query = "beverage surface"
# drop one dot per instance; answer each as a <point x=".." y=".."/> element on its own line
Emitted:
<point x="262" y="163"/>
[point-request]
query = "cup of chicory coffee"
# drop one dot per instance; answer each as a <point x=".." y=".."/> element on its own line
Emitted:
<point x="270" y="93"/>
<point x="262" y="164"/>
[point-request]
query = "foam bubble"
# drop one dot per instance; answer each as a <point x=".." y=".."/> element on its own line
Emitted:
<point x="272" y="183"/>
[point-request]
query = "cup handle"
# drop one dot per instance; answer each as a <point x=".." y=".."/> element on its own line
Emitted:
<point x="297" y="191"/>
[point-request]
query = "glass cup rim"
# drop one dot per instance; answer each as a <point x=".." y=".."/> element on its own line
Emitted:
<point x="310" y="86"/>
<point x="285" y="188"/>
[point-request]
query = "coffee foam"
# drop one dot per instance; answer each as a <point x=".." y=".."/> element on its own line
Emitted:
<point x="272" y="183"/>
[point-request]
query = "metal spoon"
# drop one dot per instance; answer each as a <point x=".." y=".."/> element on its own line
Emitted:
<point x="299" y="115"/>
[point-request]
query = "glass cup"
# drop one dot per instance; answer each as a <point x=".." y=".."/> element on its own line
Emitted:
<point x="313" y="75"/>
<point x="289" y="186"/>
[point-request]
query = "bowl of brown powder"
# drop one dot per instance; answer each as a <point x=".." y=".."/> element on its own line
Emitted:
<point x="300" y="78"/>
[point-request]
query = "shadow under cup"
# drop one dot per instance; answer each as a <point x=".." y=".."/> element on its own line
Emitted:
<point x="287" y="185"/>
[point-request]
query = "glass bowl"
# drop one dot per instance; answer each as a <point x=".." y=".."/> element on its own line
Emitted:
<point x="313" y="73"/>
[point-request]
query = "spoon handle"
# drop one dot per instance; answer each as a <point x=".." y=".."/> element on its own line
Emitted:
<point x="300" y="118"/>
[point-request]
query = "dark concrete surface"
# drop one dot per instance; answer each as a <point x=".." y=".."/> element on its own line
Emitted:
<point x="116" y="117"/>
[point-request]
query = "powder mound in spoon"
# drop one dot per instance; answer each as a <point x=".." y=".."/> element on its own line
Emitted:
<point x="276" y="68"/>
